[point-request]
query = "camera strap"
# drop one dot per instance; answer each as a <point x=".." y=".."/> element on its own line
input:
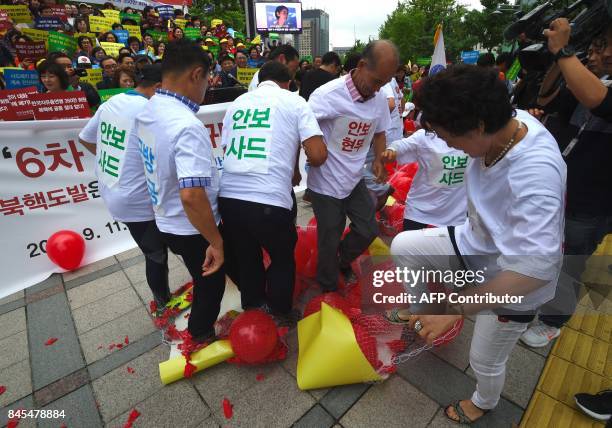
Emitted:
<point x="574" y="141"/>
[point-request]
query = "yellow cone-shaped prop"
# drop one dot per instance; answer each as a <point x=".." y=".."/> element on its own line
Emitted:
<point x="379" y="248"/>
<point x="329" y="354"/>
<point x="215" y="353"/>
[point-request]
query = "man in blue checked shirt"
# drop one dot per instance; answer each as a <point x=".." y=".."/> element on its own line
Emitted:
<point x="182" y="178"/>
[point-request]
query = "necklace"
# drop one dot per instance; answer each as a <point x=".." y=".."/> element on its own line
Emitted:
<point x="505" y="149"/>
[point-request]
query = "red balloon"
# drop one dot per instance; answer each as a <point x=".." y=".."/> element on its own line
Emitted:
<point x="302" y="251"/>
<point x="333" y="299"/>
<point x="66" y="249"/>
<point x="253" y="336"/>
<point x="401" y="183"/>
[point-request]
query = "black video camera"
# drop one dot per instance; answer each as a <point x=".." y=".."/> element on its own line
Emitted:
<point x="587" y="17"/>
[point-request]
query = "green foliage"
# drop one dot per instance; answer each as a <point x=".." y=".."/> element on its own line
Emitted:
<point x="230" y="11"/>
<point x="412" y="25"/>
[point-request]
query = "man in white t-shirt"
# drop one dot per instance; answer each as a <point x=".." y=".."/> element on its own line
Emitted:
<point x="262" y="134"/>
<point x="352" y="113"/>
<point x="121" y="179"/>
<point x="437" y="194"/>
<point x="183" y="180"/>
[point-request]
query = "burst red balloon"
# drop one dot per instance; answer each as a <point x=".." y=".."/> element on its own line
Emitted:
<point x="66" y="249"/>
<point x="253" y="336"/>
<point x="333" y="299"/>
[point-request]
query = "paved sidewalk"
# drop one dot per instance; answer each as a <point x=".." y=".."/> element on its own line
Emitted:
<point x="98" y="376"/>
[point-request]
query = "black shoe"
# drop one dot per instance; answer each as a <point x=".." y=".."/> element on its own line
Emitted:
<point x="597" y="406"/>
<point x="205" y="338"/>
<point x="349" y="275"/>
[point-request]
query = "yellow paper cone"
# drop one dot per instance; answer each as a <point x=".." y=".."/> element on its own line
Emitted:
<point x="379" y="248"/>
<point x="328" y="352"/>
<point x="215" y="353"/>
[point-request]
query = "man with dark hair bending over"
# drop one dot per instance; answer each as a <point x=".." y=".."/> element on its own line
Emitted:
<point x="183" y="180"/>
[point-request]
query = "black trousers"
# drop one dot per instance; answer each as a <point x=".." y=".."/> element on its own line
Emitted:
<point x="207" y="290"/>
<point x="149" y="240"/>
<point x="247" y="228"/>
<point x="413" y="225"/>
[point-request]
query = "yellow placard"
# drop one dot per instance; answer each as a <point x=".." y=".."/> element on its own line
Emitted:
<point x="134" y="31"/>
<point x="36" y="35"/>
<point x="180" y="22"/>
<point x="329" y="354"/>
<point x="112" y="49"/>
<point x="245" y="75"/>
<point x="215" y="22"/>
<point x="94" y="75"/>
<point x="99" y="24"/>
<point x="215" y="353"/>
<point x="112" y="14"/>
<point x="20" y="14"/>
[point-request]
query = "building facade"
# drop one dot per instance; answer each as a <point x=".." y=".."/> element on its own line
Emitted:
<point x="314" y="39"/>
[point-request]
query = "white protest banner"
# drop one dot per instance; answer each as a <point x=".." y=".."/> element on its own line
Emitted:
<point x="49" y="184"/>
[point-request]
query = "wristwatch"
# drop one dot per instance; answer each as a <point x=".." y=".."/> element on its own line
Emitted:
<point x="565" y="52"/>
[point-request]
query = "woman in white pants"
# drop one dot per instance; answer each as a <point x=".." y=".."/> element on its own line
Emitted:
<point x="512" y="238"/>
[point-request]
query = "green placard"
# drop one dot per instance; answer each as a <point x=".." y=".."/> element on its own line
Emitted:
<point x="158" y="35"/>
<point x="214" y="50"/>
<point x="192" y="33"/>
<point x="133" y="16"/>
<point x="239" y="35"/>
<point x="424" y="60"/>
<point x="273" y="36"/>
<point x="61" y="42"/>
<point x="514" y="70"/>
<point x="306" y="58"/>
<point x="105" y="94"/>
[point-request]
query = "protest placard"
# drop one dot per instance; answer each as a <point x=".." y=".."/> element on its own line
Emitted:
<point x="19" y="102"/>
<point x="192" y="33"/>
<point x="122" y="35"/>
<point x="180" y="22"/>
<point x="16" y="79"/>
<point x="92" y="36"/>
<point x="60" y="42"/>
<point x="20" y="14"/>
<point x="165" y="11"/>
<point x="30" y="50"/>
<point x="100" y="24"/>
<point x="112" y="14"/>
<point x="59" y="12"/>
<point x="60" y="105"/>
<point x="245" y="75"/>
<point x="48" y="24"/>
<point x="5" y="22"/>
<point x="158" y="35"/>
<point x="133" y="16"/>
<point x="215" y="22"/>
<point x="470" y="57"/>
<point x="112" y="49"/>
<point x="133" y="30"/>
<point x="36" y="35"/>
<point x="239" y="35"/>
<point x="105" y="94"/>
<point x="94" y="75"/>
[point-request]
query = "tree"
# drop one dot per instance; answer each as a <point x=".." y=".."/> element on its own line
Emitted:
<point x="489" y="24"/>
<point x="230" y="11"/>
<point x="411" y="26"/>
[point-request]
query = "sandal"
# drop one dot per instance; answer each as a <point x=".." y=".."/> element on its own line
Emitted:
<point x="393" y="317"/>
<point x="463" y="419"/>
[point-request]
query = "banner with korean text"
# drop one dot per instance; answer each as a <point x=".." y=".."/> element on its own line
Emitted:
<point x="49" y="184"/>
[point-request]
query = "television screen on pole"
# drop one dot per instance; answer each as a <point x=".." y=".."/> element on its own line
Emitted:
<point x="278" y="17"/>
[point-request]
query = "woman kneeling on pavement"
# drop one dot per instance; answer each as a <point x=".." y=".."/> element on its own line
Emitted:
<point x="513" y="233"/>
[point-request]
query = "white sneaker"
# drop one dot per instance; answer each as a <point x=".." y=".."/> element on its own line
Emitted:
<point x="539" y="335"/>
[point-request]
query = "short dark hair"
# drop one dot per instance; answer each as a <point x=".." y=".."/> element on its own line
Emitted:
<point x="81" y="39"/>
<point x="278" y="10"/>
<point x="182" y="55"/>
<point x="53" y="68"/>
<point x="123" y="55"/>
<point x="106" y="58"/>
<point x="274" y="70"/>
<point x="351" y="61"/>
<point x="287" y="50"/>
<point x="486" y="59"/>
<point x="116" y="25"/>
<point x="331" y="58"/>
<point x="133" y="39"/>
<point x="463" y="97"/>
<point x="125" y="70"/>
<point x="149" y="75"/>
<point x="226" y="58"/>
<point x="504" y="58"/>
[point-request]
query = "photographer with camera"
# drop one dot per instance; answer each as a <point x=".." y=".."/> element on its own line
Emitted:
<point x="584" y="129"/>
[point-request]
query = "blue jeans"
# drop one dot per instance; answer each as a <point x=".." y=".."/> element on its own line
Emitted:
<point x="583" y="233"/>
